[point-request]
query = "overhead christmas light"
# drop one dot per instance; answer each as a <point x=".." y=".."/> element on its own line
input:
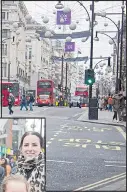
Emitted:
<point x="15" y="25"/>
<point x="68" y="39"/>
<point x="48" y="34"/>
<point x="59" y="5"/>
<point x="72" y="26"/>
<point x="28" y="17"/>
<point x="45" y="20"/>
<point x="17" y="32"/>
<point x="66" y="10"/>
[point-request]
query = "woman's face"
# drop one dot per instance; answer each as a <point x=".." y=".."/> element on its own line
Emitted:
<point x="31" y="146"/>
<point x="2" y="161"/>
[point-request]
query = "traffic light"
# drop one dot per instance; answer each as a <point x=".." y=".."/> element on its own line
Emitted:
<point x="89" y="77"/>
<point x="10" y="89"/>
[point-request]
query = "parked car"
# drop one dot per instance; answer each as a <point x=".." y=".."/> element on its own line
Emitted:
<point x="75" y="101"/>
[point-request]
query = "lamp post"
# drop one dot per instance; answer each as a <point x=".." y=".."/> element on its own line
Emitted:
<point x="118" y="41"/>
<point x="91" y="46"/>
<point x="117" y="51"/>
<point x="121" y="46"/>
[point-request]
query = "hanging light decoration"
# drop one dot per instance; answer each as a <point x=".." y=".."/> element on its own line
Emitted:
<point x="68" y="39"/>
<point x="110" y="42"/>
<point x="72" y="26"/>
<point x="105" y="24"/>
<point x="45" y="20"/>
<point x="17" y="32"/>
<point x="28" y="17"/>
<point x="15" y="25"/>
<point x="48" y="34"/>
<point x="66" y="10"/>
<point x="59" y="5"/>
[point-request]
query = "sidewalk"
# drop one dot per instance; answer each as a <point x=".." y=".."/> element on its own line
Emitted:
<point x="104" y="117"/>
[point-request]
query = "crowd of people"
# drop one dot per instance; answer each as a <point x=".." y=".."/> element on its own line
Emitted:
<point x="115" y="103"/>
<point x="29" y="169"/>
<point x="25" y="102"/>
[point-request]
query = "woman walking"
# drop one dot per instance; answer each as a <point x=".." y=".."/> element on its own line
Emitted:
<point x="31" y="162"/>
<point x="6" y="166"/>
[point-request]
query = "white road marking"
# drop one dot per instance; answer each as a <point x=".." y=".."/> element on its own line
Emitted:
<point x="115" y="161"/>
<point x="60" y="161"/>
<point x="78" y="114"/>
<point x="52" y="139"/>
<point x="122" y="132"/>
<point x="115" y="166"/>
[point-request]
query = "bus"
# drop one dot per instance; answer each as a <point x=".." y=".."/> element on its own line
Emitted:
<point x="10" y="87"/>
<point x="46" y="92"/>
<point x="82" y="91"/>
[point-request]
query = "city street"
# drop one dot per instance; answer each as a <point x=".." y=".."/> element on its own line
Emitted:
<point x="80" y="154"/>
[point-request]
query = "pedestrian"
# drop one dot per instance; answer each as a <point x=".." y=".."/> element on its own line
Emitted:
<point x="101" y="103"/>
<point x="15" y="183"/>
<point x="11" y="101"/>
<point x="31" y="163"/>
<point x="122" y="105"/>
<point x="2" y="173"/>
<point x="23" y="103"/>
<point x="110" y="103"/>
<point x="31" y="100"/>
<point x="6" y="166"/>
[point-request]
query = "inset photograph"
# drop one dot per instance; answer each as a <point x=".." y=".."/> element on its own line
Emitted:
<point x="22" y="155"/>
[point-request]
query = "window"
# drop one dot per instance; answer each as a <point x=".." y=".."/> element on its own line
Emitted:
<point x="7" y="15"/>
<point x="26" y="55"/>
<point x="4" y="49"/>
<point x="30" y="53"/>
<point x="5" y="33"/>
<point x="3" y="15"/>
<point x="4" y="69"/>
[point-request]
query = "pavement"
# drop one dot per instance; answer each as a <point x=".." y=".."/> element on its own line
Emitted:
<point x="80" y="155"/>
<point x="104" y="117"/>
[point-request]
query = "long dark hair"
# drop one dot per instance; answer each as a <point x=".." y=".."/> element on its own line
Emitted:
<point x="4" y="165"/>
<point x="32" y="133"/>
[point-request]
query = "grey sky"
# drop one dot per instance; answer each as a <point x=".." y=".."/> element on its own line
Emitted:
<point x="39" y="8"/>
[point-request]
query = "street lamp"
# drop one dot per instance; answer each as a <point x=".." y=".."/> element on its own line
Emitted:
<point x="118" y="41"/>
<point x="117" y="50"/>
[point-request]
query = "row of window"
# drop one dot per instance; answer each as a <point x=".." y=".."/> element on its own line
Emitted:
<point x="5" y="33"/>
<point x="5" y="15"/>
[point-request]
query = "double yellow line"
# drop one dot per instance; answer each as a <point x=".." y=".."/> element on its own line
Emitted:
<point x="102" y="182"/>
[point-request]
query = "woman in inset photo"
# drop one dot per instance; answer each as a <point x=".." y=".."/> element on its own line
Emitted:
<point x="31" y="163"/>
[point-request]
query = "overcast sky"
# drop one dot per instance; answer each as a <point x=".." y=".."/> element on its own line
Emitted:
<point x="102" y="47"/>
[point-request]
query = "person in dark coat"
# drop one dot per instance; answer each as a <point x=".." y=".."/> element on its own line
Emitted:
<point x="23" y="103"/>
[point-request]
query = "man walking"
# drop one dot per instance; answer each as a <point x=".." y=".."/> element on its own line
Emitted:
<point x="11" y="101"/>
<point x="23" y="103"/>
<point x="31" y="100"/>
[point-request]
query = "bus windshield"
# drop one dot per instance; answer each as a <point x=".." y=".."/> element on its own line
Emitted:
<point x="44" y="96"/>
<point x="44" y="84"/>
<point x="80" y="89"/>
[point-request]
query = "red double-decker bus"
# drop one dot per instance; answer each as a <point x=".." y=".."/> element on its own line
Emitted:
<point x="46" y="87"/>
<point x="10" y="87"/>
<point x="82" y="91"/>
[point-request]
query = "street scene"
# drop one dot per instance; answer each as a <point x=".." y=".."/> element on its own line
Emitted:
<point x="22" y="143"/>
<point x="63" y="76"/>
